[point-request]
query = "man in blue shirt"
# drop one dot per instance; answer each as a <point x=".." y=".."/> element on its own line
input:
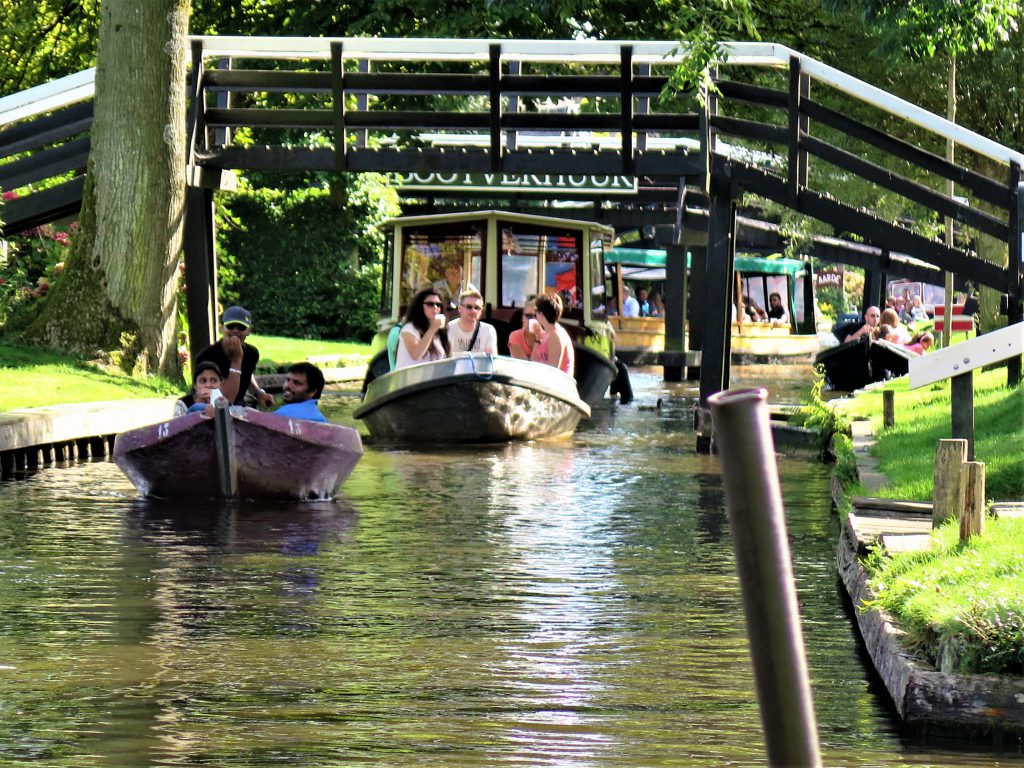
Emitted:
<point x="302" y="390"/>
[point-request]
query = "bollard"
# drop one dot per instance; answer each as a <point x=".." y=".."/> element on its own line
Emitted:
<point x="972" y="513"/>
<point x="743" y="437"/>
<point x="948" y="493"/>
<point x="224" y="436"/>
<point x="888" y="408"/>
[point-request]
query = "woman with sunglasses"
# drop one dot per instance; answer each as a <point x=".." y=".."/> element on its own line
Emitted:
<point x="522" y="341"/>
<point x="423" y="337"/>
<point x="556" y="347"/>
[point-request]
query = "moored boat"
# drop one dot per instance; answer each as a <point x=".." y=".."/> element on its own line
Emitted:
<point x="855" y="364"/>
<point x="641" y="340"/>
<point x="507" y="257"/>
<point x="472" y="399"/>
<point x="271" y="456"/>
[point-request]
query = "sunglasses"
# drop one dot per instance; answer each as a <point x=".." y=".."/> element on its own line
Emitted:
<point x="435" y="304"/>
<point x="236" y="327"/>
<point x="529" y="314"/>
<point x="474" y="307"/>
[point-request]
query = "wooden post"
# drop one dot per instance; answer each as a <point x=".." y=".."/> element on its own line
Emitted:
<point x="224" y="436"/>
<point x="961" y="391"/>
<point x="972" y="515"/>
<point x="888" y="408"/>
<point x="948" y="499"/>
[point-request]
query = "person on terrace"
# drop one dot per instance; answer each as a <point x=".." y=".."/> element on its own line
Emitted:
<point x="423" y="337"/>
<point x="521" y="342"/>
<point x="469" y="333"/>
<point x="899" y="331"/>
<point x="921" y="343"/>
<point x="556" y="347"/>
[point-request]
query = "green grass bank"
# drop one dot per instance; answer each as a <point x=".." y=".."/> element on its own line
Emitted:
<point x="960" y="605"/>
<point x="31" y="377"/>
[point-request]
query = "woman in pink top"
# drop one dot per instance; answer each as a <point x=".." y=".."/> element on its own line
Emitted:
<point x="556" y="347"/>
<point x="522" y="341"/>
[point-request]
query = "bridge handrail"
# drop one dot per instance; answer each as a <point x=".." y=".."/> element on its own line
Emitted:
<point x="62" y="92"/>
<point x="79" y="86"/>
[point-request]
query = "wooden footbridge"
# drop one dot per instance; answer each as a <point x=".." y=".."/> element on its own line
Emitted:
<point x="510" y="116"/>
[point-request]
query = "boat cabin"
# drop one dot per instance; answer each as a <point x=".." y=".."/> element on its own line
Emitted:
<point x="507" y="257"/>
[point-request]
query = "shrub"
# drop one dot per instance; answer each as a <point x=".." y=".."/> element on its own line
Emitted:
<point x="305" y="265"/>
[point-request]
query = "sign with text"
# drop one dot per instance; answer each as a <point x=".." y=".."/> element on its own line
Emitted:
<point x="829" y="275"/>
<point x="519" y="182"/>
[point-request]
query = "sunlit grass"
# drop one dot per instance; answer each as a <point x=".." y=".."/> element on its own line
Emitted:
<point x="906" y="451"/>
<point x="276" y="351"/>
<point x="963" y="604"/>
<point x="31" y="377"/>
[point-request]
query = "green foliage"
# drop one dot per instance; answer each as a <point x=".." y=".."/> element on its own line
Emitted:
<point x="305" y="265"/>
<point x="817" y="414"/>
<point x="962" y="606"/>
<point x="41" y="41"/>
<point x="924" y="28"/>
<point x="32" y="263"/>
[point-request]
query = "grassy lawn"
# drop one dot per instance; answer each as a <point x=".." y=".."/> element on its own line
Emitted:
<point x="961" y="606"/>
<point x="31" y="377"/>
<point x="906" y="452"/>
<point x="277" y="351"/>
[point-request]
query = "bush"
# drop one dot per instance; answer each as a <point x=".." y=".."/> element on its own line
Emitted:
<point x="306" y="266"/>
<point x="31" y="263"/>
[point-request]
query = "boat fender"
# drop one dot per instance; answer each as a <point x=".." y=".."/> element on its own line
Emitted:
<point x="621" y="384"/>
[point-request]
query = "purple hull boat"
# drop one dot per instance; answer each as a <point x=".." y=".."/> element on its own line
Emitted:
<point x="264" y="456"/>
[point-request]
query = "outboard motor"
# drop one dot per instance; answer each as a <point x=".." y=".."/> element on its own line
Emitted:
<point x="621" y="385"/>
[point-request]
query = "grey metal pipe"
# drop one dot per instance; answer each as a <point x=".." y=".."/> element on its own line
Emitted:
<point x="224" y="440"/>
<point x="747" y="455"/>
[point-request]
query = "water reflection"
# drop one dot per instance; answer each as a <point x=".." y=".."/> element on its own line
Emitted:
<point x="567" y="603"/>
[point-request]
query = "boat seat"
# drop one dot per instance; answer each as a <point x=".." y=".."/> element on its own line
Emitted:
<point x="393" y="335"/>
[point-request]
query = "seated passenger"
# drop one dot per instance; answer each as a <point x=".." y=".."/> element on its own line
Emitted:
<point x="776" y="312"/>
<point x="556" y="347"/>
<point x="921" y="343"/>
<point x="917" y="310"/>
<point x="205" y="379"/>
<point x="892" y="319"/>
<point x="871" y="319"/>
<point x="302" y="390"/>
<point x="522" y="341"/>
<point x="469" y="333"/>
<point x="752" y="313"/>
<point x="423" y="337"/>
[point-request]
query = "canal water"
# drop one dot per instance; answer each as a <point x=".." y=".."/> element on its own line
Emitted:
<point x="570" y="603"/>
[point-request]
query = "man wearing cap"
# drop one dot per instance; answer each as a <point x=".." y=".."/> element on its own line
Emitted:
<point x="236" y="359"/>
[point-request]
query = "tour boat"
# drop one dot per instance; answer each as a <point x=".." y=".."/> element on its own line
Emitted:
<point x="264" y="456"/>
<point x="507" y="257"/>
<point x="472" y="399"/>
<point x="641" y="340"/>
<point x="855" y="364"/>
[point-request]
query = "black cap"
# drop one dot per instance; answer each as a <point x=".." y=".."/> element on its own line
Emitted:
<point x="237" y="315"/>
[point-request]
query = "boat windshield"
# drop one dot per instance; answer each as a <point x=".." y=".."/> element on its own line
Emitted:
<point x="448" y="256"/>
<point x="538" y="258"/>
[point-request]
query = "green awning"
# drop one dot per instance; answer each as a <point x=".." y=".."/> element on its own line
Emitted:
<point x="654" y="258"/>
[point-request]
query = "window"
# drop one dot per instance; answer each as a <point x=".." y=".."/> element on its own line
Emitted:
<point x="538" y="258"/>
<point x="447" y="256"/>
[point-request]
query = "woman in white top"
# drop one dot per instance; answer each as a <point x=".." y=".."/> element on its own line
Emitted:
<point x="423" y="337"/>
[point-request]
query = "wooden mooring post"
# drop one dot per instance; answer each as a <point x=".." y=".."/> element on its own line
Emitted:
<point x="972" y="514"/>
<point x="947" y="501"/>
<point x="888" y="408"/>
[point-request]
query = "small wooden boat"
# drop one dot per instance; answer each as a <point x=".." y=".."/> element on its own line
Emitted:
<point x="472" y="399"/>
<point x="855" y="364"/>
<point x="270" y="456"/>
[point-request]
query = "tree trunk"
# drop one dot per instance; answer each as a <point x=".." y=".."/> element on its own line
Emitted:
<point x="117" y="293"/>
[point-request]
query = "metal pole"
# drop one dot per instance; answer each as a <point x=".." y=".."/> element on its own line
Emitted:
<point x="224" y="437"/>
<point x="756" y="517"/>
